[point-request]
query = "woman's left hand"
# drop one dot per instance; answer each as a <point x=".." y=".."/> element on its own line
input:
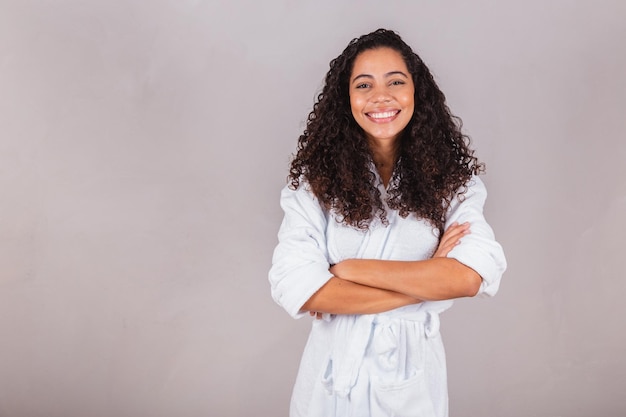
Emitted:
<point x="451" y="237"/>
<point x="316" y="314"/>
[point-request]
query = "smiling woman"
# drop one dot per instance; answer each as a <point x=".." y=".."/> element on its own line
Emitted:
<point x="381" y="99"/>
<point x="383" y="228"/>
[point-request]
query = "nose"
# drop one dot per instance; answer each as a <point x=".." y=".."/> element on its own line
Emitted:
<point x="381" y="95"/>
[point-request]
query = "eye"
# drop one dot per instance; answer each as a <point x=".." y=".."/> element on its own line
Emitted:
<point x="362" y="85"/>
<point x="398" y="82"/>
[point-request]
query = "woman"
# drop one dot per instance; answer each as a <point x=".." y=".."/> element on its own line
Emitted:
<point x="383" y="227"/>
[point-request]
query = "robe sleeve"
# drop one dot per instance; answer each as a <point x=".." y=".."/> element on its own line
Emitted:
<point x="300" y="262"/>
<point x="479" y="249"/>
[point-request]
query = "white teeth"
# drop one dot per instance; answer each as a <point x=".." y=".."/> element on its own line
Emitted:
<point x="382" y="115"/>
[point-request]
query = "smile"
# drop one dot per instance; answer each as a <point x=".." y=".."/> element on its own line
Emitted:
<point x="383" y="116"/>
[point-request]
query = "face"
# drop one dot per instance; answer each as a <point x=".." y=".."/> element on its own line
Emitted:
<point x="381" y="94"/>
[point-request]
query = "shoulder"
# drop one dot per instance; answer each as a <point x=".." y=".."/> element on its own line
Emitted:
<point x="473" y="188"/>
<point x="302" y="200"/>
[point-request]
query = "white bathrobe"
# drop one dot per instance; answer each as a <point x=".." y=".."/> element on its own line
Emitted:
<point x="378" y="365"/>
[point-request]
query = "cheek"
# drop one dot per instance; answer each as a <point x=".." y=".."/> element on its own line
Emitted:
<point x="355" y="106"/>
<point x="409" y="103"/>
<point x="408" y="99"/>
<point x="411" y="107"/>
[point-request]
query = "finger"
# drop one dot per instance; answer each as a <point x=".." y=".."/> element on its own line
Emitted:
<point x="451" y="238"/>
<point x="455" y="228"/>
<point x="454" y="233"/>
<point x="454" y="239"/>
<point x="442" y="252"/>
<point x="445" y="249"/>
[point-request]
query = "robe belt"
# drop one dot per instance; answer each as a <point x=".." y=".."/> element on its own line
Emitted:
<point x="352" y="336"/>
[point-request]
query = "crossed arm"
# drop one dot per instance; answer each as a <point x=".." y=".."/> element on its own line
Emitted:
<point x="367" y="286"/>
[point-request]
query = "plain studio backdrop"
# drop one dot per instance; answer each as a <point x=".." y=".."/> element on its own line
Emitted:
<point x="143" y="146"/>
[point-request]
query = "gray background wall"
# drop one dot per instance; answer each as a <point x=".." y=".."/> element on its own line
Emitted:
<point x="142" y="149"/>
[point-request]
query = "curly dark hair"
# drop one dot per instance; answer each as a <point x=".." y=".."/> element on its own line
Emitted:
<point x="433" y="164"/>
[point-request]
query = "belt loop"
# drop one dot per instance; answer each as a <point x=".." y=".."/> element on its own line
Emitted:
<point x="431" y="327"/>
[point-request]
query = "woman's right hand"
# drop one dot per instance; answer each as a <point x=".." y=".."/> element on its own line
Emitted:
<point x="451" y="237"/>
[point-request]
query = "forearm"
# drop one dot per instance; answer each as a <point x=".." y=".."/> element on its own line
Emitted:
<point x="431" y="279"/>
<point x="339" y="296"/>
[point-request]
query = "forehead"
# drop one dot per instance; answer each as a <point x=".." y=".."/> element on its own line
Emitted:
<point x="378" y="60"/>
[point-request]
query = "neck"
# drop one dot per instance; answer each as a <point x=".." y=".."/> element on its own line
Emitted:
<point x="384" y="153"/>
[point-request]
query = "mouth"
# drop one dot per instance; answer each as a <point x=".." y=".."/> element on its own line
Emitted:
<point x="382" y="117"/>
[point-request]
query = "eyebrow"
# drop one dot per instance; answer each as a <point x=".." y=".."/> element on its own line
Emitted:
<point x="389" y="74"/>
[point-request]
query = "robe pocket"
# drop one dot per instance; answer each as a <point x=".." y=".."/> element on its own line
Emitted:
<point x="408" y="398"/>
